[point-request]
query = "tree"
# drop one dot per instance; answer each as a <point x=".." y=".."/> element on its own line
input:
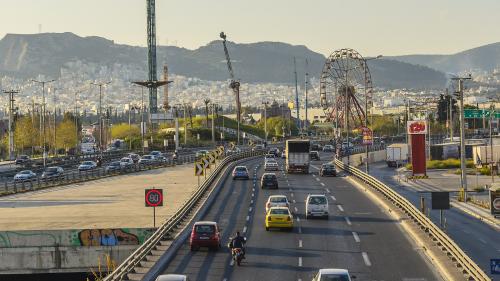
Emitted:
<point x="25" y="134"/>
<point x="124" y="131"/>
<point x="66" y="135"/>
<point x="206" y="101"/>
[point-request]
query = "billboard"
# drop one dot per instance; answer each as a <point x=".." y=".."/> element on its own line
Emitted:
<point x="416" y="127"/>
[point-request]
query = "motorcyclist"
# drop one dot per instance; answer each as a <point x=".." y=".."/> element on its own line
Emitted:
<point x="174" y="156"/>
<point x="238" y="242"/>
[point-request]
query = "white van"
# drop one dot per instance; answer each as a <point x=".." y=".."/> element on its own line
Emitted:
<point x="316" y="206"/>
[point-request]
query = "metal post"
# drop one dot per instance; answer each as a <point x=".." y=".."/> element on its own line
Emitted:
<point x="265" y="121"/>
<point x="213" y="123"/>
<point x="76" y="118"/>
<point x="11" y="121"/>
<point x="154" y="217"/>
<point x="43" y="118"/>
<point x="462" y="136"/>
<point x="176" y="132"/>
<point x="143" y="126"/>
<point x="306" y="102"/>
<point x="422" y="204"/>
<point x="185" y="125"/>
<point x="492" y="112"/>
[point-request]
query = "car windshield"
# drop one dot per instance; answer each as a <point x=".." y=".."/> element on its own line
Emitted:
<point x="269" y="177"/>
<point x="327" y="166"/>
<point x="51" y="170"/>
<point x="241" y="169"/>
<point x="147" y="157"/>
<point x="334" y="277"/>
<point x="87" y="163"/>
<point x="278" y="199"/>
<point x="279" y="212"/>
<point x="204" y="228"/>
<point x="114" y="164"/>
<point x="317" y="200"/>
<point x="25" y="172"/>
<point x="125" y="160"/>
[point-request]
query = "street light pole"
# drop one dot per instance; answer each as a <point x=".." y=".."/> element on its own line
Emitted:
<point x="265" y="103"/>
<point x="11" y="120"/>
<point x="492" y="112"/>
<point x="43" y="117"/>
<point x="100" y="85"/>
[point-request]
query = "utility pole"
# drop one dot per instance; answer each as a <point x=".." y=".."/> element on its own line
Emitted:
<point x="306" y="102"/>
<point x="450" y="103"/>
<point x="100" y="85"/>
<point x="11" y="121"/>
<point x="185" y="125"/>
<point x="43" y="118"/>
<point x="213" y="122"/>
<point x="463" y="167"/>
<point x="54" y="100"/>
<point x="265" y="103"/>
<point x="297" y="106"/>
<point x="492" y="113"/>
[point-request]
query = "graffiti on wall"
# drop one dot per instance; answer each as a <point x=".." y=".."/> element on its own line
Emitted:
<point x="78" y="237"/>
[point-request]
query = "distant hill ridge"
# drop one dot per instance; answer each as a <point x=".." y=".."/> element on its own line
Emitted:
<point x="262" y="62"/>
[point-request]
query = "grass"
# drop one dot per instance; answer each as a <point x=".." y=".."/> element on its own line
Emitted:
<point x="444" y="164"/>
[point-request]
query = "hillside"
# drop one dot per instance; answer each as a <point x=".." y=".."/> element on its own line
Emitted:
<point x="29" y="55"/>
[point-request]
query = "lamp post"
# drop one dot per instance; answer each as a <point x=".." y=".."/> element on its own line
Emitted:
<point x="100" y="85"/>
<point x="43" y="117"/>
<point x="492" y="113"/>
<point x="265" y="103"/>
<point x="367" y="165"/>
<point x="11" y="120"/>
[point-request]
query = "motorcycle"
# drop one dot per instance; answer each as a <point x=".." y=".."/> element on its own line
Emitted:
<point x="237" y="255"/>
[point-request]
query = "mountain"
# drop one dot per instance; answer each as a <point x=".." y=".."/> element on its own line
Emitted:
<point x="486" y="58"/>
<point x="262" y="62"/>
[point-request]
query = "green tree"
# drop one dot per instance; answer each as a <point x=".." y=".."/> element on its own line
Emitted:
<point x="124" y="131"/>
<point x="66" y="134"/>
<point x="25" y="133"/>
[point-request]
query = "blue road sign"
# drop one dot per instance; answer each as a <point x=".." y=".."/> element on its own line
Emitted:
<point x="495" y="266"/>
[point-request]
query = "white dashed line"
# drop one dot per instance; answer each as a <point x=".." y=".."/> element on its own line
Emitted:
<point x="322" y="184"/>
<point x="231" y="263"/>
<point x="300" y="261"/>
<point x="300" y="243"/>
<point x="327" y="190"/>
<point x="347" y="220"/>
<point x="291" y="194"/>
<point x="298" y="219"/>
<point x="314" y="175"/>
<point x="317" y="179"/>
<point x="300" y="229"/>
<point x="251" y="202"/>
<point x="333" y="198"/>
<point x="293" y="201"/>
<point x="340" y="208"/>
<point x="296" y="210"/>
<point x="244" y="229"/>
<point x="356" y="237"/>
<point x="366" y="259"/>
<point x="253" y="194"/>
<point x="250" y="209"/>
<point x="482" y="240"/>
<point x="248" y="218"/>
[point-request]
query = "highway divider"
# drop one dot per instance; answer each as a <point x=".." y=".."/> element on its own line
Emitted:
<point x="75" y="176"/>
<point x="446" y="244"/>
<point x="170" y="225"/>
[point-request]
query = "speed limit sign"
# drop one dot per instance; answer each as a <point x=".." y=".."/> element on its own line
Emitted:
<point x="153" y="197"/>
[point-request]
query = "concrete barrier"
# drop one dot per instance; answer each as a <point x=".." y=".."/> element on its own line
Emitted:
<point x="360" y="158"/>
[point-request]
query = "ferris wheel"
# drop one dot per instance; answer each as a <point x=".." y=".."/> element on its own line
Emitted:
<point x="346" y="89"/>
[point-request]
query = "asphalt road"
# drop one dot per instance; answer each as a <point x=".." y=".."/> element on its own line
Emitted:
<point x="358" y="235"/>
<point x="478" y="239"/>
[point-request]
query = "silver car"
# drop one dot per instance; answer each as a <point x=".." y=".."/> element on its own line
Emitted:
<point x="25" y="175"/>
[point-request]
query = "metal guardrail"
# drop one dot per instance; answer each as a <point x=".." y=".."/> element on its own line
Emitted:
<point x="468" y="266"/>
<point x="74" y="176"/>
<point x="138" y="255"/>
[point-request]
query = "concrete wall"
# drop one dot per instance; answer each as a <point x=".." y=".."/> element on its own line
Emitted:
<point x="359" y="159"/>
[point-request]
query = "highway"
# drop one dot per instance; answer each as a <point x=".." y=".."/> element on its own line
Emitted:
<point x="358" y="236"/>
<point x="477" y="239"/>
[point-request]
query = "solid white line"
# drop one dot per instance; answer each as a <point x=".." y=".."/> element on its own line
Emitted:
<point x="231" y="263"/>
<point x="298" y="219"/>
<point x="317" y="179"/>
<point x="249" y="209"/>
<point x="295" y="208"/>
<point x="366" y="259"/>
<point x="248" y="218"/>
<point x="300" y="261"/>
<point x="356" y="237"/>
<point x="291" y="194"/>
<point x="300" y="243"/>
<point x="347" y="220"/>
<point x="482" y="240"/>
<point x="251" y="201"/>
<point x="244" y="229"/>
<point x="293" y="201"/>
<point x="322" y="184"/>
<point x="340" y="208"/>
<point x="333" y="198"/>
<point x="314" y="175"/>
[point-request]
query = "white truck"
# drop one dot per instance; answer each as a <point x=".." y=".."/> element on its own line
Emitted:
<point x="483" y="155"/>
<point x="396" y="154"/>
<point x="297" y="156"/>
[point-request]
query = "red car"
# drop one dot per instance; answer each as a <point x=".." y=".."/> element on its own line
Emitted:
<point x="205" y="234"/>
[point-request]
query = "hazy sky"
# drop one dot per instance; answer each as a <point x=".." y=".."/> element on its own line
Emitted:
<point x="388" y="27"/>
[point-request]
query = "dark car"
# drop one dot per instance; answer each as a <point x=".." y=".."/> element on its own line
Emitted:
<point x="269" y="180"/>
<point x="114" y="166"/>
<point x="23" y="160"/>
<point x="205" y="234"/>
<point x="315" y="146"/>
<point x="240" y="172"/>
<point x="53" y="173"/>
<point x="275" y="151"/>
<point x="328" y="169"/>
<point x="314" y="155"/>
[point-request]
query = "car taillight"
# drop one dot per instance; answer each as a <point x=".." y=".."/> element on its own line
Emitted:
<point x="269" y="218"/>
<point x="289" y="218"/>
<point x="268" y="204"/>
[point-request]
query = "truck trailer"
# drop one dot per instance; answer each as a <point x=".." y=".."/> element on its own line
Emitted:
<point x="297" y="156"/>
<point x="396" y="154"/>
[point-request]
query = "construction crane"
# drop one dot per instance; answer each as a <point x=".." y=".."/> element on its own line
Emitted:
<point x="234" y="84"/>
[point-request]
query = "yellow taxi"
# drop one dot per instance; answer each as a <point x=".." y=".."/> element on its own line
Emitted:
<point x="279" y="217"/>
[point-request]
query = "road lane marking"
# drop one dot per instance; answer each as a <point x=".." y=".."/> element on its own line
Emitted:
<point x="293" y="201"/>
<point x="317" y="179"/>
<point x="322" y="184"/>
<point x="250" y="209"/>
<point x="231" y="263"/>
<point x="347" y="220"/>
<point x="300" y="229"/>
<point x="295" y="208"/>
<point x="251" y="201"/>
<point x="327" y="190"/>
<point x="300" y="243"/>
<point x="244" y="229"/>
<point x="340" y="208"/>
<point x="253" y="194"/>
<point x="298" y="219"/>
<point x="290" y="189"/>
<point x="482" y="240"/>
<point x="314" y="175"/>
<point x="366" y="259"/>
<point x="300" y="261"/>
<point x="291" y="194"/>
<point x="356" y="237"/>
<point x="248" y="218"/>
<point x="333" y="198"/>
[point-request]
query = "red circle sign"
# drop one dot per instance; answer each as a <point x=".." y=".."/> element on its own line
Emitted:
<point x="154" y="197"/>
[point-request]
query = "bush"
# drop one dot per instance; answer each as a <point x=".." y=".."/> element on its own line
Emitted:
<point x="444" y="164"/>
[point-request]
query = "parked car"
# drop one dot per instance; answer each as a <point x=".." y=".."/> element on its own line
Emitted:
<point x="134" y="157"/>
<point x="240" y="172"/>
<point x="126" y="162"/>
<point x="328" y="148"/>
<point x="271" y="165"/>
<point x="53" y="173"/>
<point x="277" y="201"/>
<point x="316" y="205"/>
<point x="147" y="160"/>
<point x="114" y="166"/>
<point x="333" y="274"/>
<point x="205" y="234"/>
<point x="279" y="217"/>
<point x="314" y="155"/>
<point x="155" y="153"/>
<point x="87" y="166"/>
<point x="23" y="160"/>
<point x="172" y="277"/>
<point x="26" y="175"/>
<point x="269" y="180"/>
<point x="328" y="169"/>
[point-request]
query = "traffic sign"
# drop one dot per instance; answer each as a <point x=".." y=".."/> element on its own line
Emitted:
<point x="416" y="127"/>
<point x="231" y="144"/>
<point x="211" y="157"/>
<point x="367" y="136"/>
<point x="495" y="266"/>
<point x="198" y="169"/>
<point x="206" y="163"/>
<point x="153" y="197"/>
<point x="480" y="113"/>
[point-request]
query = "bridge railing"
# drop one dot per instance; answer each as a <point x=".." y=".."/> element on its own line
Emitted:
<point x="170" y="224"/>
<point x="462" y="260"/>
